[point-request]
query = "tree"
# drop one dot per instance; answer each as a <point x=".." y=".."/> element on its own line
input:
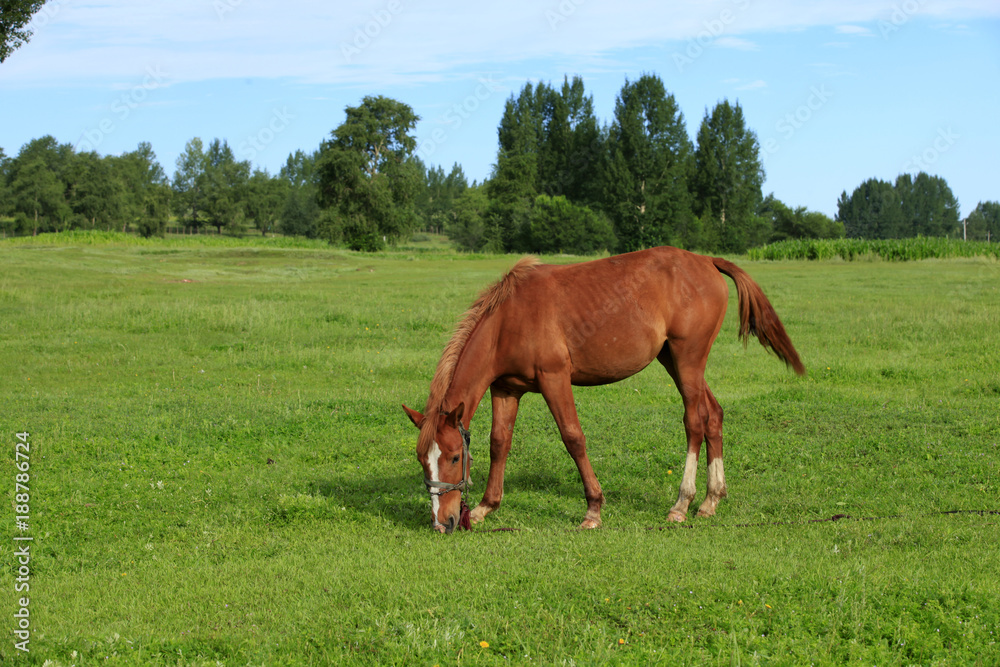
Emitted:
<point x="571" y="147"/>
<point x="646" y="178"/>
<point x="983" y="224"/>
<point x="798" y="223"/>
<point x="435" y="200"/>
<point x="921" y="205"/>
<point x="549" y="143"/>
<point x="728" y="177"/>
<point x="14" y="24"/>
<point x="39" y="199"/>
<point x="225" y="188"/>
<point x="929" y="208"/>
<point x="467" y="224"/>
<point x="265" y="199"/>
<point x="189" y="185"/>
<point x="367" y="175"/>
<point x="300" y="211"/>
<point x="515" y="175"/>
<point x="872" y="211"/>
<point x="300" y="214"/>
<point x="57" y="157"/>
<point x="4" y="191"/>
<point x="96" y="193"/>
<point x="38" y="184"/>
<point x="559" y="226"/>
<point x="147" y="191"/>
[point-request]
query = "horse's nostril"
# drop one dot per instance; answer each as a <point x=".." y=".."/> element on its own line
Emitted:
<point x="450" y="527"/>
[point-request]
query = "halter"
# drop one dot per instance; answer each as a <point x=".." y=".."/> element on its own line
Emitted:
<point x="466" y="482"/>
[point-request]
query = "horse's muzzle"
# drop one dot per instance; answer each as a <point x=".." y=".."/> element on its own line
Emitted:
<point x="446" y="528"/>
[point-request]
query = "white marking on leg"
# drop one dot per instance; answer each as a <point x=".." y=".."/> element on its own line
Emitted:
<point x="432" y="463"/>
<point x="690" y="471"/>
<point x="716" y="478"/>
<point x="686" y="493"/>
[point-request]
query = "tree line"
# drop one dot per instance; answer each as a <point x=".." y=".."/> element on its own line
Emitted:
<point x="562" y="182"/>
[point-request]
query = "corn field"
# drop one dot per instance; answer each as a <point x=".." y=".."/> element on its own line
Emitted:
<point x="897" y="250"/>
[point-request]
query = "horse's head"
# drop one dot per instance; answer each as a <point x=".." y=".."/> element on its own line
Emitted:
<point x="443" y="451"/>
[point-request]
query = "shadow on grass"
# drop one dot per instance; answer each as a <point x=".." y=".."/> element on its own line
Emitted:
<point x="401" y="500"/>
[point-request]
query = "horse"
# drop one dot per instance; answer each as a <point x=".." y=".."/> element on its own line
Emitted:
<point x="544" y="328"/>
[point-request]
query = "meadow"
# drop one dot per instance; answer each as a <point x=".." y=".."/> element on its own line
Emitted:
<point x="221" y="473"/>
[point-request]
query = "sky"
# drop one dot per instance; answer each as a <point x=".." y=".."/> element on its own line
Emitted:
<point x="837" y="92"/>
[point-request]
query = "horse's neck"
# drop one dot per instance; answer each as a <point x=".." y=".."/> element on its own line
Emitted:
<point x="474" y="372"/>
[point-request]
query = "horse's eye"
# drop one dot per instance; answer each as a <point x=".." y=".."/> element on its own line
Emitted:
<point x="454" y="460"/>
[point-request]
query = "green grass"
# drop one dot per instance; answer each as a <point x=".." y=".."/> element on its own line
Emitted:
<point x="220" y="471"/>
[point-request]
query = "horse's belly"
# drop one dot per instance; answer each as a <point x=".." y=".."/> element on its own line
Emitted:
<point x="617" y="364"/>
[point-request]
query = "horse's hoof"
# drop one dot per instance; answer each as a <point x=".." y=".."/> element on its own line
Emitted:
<point x="590" y="524"/>
<point x="676" y="517"/>
<point x="478" y="514"/>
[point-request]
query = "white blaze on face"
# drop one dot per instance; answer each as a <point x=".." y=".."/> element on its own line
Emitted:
<point x="433" y="456"/>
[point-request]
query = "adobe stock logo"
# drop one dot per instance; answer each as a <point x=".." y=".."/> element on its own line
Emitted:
<point x="122" y="109"/>
<point x="795" y="120"/>
<point x="47" y="12"/>
<point x="256" y="143"/>
<point x="942" y="143"/>
<point x="562" y="12"/>
<point x="900" y="16"/>
<point x="365" y="35"/>
<point x="712" y="30"/>
<point x="455" y="116"/>
<point x="223" y="7"/>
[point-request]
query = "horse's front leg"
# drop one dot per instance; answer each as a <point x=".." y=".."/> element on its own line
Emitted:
<point x="504" y="414"/>
<point x="558" y="394"/>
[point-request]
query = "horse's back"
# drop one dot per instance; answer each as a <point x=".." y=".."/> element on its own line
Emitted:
<point x="609" y="318"/>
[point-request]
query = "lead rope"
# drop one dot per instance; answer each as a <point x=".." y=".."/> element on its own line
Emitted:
<point x="465" y="515"/>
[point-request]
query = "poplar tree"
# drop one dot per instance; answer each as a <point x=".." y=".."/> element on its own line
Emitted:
<point x="189" y="184"/>
<point x="872" y="211"/>
<point x="649" y="160"/>
<point x="300" y="211"/>
<point x="225" y="188"/>
<point x="929" y="207"/>
<point x="923" y="205"/>
<point x="727" y="180"/>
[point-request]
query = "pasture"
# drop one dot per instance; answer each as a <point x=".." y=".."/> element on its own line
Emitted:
<point x="221" y="472"/>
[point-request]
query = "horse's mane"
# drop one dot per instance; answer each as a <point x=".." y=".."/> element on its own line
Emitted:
<point x="488" y="301"/>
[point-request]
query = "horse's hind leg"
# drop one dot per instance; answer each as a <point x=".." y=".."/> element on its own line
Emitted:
<point x="702" y="423"/>
<point x="713" y="438"/>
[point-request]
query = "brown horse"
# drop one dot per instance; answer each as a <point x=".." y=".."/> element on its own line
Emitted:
<point x="544" y="328"/>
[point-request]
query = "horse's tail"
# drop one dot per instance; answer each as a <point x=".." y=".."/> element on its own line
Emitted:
<point x="757" y="316"/>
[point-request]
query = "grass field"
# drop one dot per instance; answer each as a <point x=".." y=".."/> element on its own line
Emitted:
<point x="220" y="472"/>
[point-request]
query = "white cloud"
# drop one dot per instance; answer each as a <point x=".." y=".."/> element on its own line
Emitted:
<point x="401" y="41"/>
<point x="854" y="30"/>
<point x="753" y="85"/>
<point x="736" y="43"/>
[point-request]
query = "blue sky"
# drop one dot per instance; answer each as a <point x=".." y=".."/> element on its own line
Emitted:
<point x="837" y="92"/>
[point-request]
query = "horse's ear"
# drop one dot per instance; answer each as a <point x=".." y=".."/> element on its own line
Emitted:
<point x="415" y="417"/>
<point x="455" y="415"/>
